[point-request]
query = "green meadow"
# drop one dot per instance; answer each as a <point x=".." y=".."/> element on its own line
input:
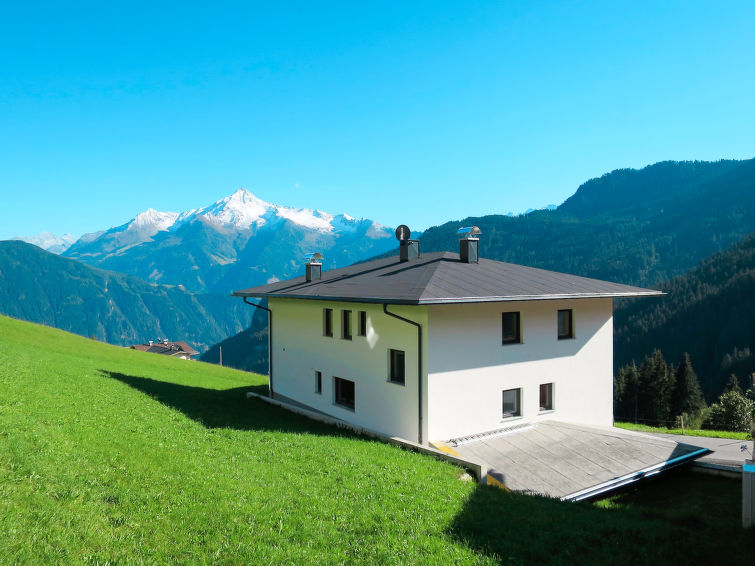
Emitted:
<point x="109" y="455"/>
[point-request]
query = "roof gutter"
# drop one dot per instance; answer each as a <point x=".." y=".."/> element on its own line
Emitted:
<point x="419" y="368"/>
<point x="269" y="344"/>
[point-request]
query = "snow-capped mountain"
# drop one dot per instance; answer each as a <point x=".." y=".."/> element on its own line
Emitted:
<point x="49" y="241"/>
<point x="238" y="241"/>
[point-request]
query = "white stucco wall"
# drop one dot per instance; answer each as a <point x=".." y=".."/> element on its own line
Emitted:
<point x="468" y="367"/>
<point x="300" y="349"/>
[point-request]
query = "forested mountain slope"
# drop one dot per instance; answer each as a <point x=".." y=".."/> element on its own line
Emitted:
<point x="42" y="287"/>
<point x="708" y="312"/>
<point x="630" y="226"/>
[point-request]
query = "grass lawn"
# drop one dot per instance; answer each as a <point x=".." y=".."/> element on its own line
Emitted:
<point x="687" y="431"/>
<point x="112" y="455"/>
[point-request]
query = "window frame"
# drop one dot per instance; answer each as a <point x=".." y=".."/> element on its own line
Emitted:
<point x="327" y="322"/>
<point x="339" y="399"/>
<point x="346" y="320"/>
<point x="395" y="376"/>
<point x="550" y="399"/>
<point x="518" y="338"/>
<point x="518" y="412"/>
<point x="362" y="324"/>
<point x="570" y="333"/>
<point x="318" y="382"/>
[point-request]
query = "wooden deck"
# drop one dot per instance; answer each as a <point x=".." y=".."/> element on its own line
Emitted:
<point x="574" y="462"/>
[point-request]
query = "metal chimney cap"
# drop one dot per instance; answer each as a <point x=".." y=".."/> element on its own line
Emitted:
<point x="468" y="231"/>
<point x="403" y="233"/>
<point x="315" y="257"/>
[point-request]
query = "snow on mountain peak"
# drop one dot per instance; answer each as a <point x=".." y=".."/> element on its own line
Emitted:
<point x="49" y="241"/>
<point x="153" y="221"/>
<point x="242" y="209"/>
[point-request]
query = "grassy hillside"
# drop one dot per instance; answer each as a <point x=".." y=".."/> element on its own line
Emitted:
<point x="109" y="455"/>
<point x="38" y="286"/>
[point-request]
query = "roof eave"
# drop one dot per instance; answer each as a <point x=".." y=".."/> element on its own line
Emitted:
<point x="451" y="300"/>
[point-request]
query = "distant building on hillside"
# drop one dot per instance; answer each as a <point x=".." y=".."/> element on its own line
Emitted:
<point x="174" y="349"/>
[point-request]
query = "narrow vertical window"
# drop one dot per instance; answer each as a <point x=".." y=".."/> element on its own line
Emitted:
<point x="397" y="369"/>
<point x="565" y="324"/>
<point x="512" y="403"/>
<point x="362" y="323"/>
<point x="327" y="322"/>
<point x="318" y="382"/>
<point x="546" y="396"/>
<point x="346" y="325"/>
<point x="510" y="328"/>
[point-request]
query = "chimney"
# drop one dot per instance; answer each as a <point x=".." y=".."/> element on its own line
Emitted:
<point x="407" y="249"/>
<point x="313" y="266"/>
<point x="469" y="244"/>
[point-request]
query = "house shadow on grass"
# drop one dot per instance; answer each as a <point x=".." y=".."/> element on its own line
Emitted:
<point x="225" y="408"/>
<point x="526" y="529"/>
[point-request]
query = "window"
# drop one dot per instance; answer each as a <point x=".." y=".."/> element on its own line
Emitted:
<point x="318" y="382"/>
<point x="327" y="322"/>
<point x="546" y="396"/>
<point x="511" y="403"/>
<point x="362" y="323"/>
<point x="344" y="390"/>
<point x="397" y="370"/>
<point x="346" y="325"/>
<point x="565" y="324"/>
<point x="511" y="330"/>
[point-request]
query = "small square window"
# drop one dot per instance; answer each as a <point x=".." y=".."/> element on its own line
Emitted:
<point x="327" y="322"/>
<point x="344" y="391"/>
<point x="512" y="403"/>
<point x="546" y="396"/>
<point x="346" y="325"/>
<point x="397" y="370"/>
<point x="362" y="323"/>
<point x="565" y="324"/>
<point x="510" y="328"/>
<point x="318" y="382"/>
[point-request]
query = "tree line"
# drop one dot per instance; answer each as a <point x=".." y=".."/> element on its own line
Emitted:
<point x="661" y="394"/>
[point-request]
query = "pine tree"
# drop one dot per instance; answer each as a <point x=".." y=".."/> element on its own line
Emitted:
<point x="733" y="384"/>
<point x="657" y="385"/>
<point x="687" y="396"/>
<point x="626" y="394"/>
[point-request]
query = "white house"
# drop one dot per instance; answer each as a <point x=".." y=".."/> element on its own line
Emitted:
<point x="439" y="346"/>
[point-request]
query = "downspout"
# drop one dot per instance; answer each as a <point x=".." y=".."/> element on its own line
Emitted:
<point x="419" y="368"/>
<point x="269" y="344"/>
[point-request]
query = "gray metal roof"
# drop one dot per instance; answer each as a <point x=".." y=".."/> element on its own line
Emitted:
<point x="440" y="277"/>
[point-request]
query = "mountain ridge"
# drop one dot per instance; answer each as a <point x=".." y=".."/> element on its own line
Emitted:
<point x="237" y="241"/>
<point x="43" y="287"/>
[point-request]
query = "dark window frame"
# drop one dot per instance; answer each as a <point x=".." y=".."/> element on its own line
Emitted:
<point x="397" y="366"/>
<point x="346" y="329"/>
<point x="341" y="392"/>
<point x="570" y="332"/>
<point x="318" y="382"/>
<point x="517" y="338"/>
<point x="548" y="405"/>
<point x="518" y="411"/>
<point x="362" y="327"/>
<point x="327" y="322"/>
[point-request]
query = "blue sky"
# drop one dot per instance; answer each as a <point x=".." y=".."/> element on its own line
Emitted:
<point x="405" y="112"/>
